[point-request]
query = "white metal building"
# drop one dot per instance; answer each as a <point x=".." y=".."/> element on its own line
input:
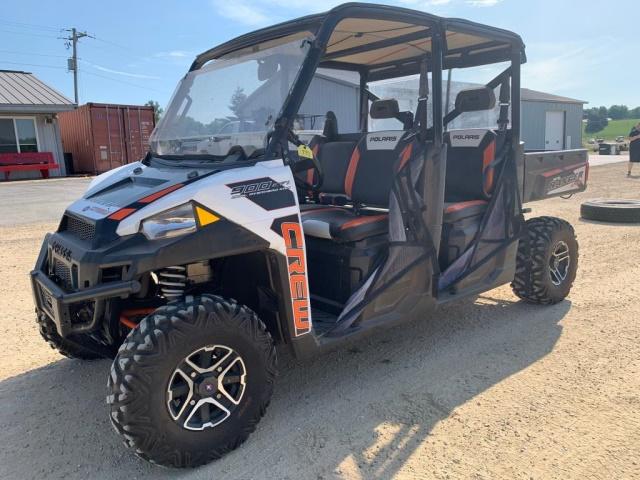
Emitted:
<point x="28" y="122"/>
<point x="550" y="122"/>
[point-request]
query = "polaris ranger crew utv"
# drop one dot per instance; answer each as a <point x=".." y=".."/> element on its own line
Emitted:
<point x="191" y="265"/>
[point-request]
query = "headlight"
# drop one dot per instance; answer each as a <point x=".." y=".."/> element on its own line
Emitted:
<point x="170" y="223"/>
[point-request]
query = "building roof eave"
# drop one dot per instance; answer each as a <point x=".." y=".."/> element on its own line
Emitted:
<point x="34" y="109"/>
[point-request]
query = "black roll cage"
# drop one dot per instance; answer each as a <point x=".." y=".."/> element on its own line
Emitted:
<point x="440" y="58"/>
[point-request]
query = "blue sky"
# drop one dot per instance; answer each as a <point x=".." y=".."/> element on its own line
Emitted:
<point x="581" y="49"/>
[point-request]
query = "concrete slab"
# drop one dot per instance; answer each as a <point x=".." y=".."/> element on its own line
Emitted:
<point x="37" y="201"/>
<point x="595" y="159"/>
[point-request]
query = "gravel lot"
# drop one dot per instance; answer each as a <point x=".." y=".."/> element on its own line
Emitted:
<point x="486" y="389"/>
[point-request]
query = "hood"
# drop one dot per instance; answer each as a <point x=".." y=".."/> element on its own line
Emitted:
<point x="127" y="185"/>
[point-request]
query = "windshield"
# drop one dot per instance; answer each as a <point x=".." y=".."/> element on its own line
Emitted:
<point x="230" y="103"/>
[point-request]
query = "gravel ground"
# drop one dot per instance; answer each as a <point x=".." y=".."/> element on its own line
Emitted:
<point x="490" y="388"/>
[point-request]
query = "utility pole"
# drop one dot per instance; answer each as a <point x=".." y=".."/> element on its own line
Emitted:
<point x="72" y="63"/>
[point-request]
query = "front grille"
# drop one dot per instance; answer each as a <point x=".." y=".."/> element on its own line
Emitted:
<point x="62" y="273"/>
<point x="82" y="229"/>
<point x="47" y="300"/>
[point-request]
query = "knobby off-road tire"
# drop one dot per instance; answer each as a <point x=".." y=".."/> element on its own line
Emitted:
<point x="143" y="371"/>
<point x="72" y="348"/>
<point x="536" y="280"/>
<point x="611" y="210"/>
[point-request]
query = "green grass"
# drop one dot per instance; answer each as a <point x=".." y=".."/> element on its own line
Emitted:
<point x="613" y="130"/>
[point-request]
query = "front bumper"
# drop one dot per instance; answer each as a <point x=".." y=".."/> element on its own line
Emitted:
<point x="59" y="304"/>
<point x="80" y="282"/>
<point x="56" y="304"/>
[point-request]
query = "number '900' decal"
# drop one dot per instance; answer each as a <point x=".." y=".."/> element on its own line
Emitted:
<point x="293" y="239"/>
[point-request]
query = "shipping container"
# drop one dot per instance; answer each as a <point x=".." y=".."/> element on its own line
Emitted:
<point x="101" y="136"/>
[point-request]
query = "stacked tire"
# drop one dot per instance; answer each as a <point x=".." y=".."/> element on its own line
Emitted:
<point x="611" y="210"/>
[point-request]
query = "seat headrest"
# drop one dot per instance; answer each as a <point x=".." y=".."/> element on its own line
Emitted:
<point x="384" y="108"/>
<point x="469" y="138"/>
<point x="330" y="131"/>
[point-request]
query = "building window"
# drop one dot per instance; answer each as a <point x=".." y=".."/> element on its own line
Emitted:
<point x="18" y="135"/>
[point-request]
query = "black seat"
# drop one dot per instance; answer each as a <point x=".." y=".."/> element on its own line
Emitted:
<point x="454" y="211"/>
<point x="334" y="154"/>
<point x="470" y="182"/>
<point x="368" y="183"/>
<point x="470" y="177"/>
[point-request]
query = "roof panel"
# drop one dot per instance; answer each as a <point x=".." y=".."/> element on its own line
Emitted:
<point x="25" y="89"/>
<point x="362" y="24"/>
<point x="528" y="95"/>
<point x="370" y="41"/>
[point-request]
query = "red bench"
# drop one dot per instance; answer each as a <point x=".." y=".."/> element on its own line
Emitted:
<point x="19" y="162"/>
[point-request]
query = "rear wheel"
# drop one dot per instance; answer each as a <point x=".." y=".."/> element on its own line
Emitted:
<point x="79" y="346"/>
<point x="191" y="381"/>
<point x="547" y="261"/>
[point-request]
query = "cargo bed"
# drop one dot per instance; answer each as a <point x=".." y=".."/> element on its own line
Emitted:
<point x="554" y="173"/>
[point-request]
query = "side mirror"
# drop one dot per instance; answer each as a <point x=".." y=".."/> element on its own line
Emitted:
<point x="384" y="109"/>
<point x="475" y="99"/>
<point x="267" y="69"/>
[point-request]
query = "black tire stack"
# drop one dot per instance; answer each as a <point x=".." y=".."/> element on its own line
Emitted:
<point x="611" y="210"/>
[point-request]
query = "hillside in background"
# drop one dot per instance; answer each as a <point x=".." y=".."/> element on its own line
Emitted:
<point x="611" y="131"/>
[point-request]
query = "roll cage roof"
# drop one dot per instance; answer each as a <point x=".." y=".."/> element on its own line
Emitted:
<point x="385" y="42"/>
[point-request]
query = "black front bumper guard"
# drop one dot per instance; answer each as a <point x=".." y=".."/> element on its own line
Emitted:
<point x="55" y="302"/>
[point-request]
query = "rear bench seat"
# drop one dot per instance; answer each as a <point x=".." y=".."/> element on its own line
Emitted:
<point x="368" y="176"/>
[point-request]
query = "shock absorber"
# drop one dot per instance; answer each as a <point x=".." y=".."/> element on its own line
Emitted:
<point x="172" y="282"/>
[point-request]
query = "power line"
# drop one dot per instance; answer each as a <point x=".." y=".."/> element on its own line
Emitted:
<point x="29" y="33"/>
<point x="32" y="64"/>
<point x="146" y="87"/>
<point x="31" y="54"/>
<point x="30" y="25"/>
<point x="112" y="43"/>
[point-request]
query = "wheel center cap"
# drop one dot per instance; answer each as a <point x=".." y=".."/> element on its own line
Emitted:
<point x="208" y="386"/>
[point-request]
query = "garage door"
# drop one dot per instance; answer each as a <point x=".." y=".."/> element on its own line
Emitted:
<point x="554" y="131"/>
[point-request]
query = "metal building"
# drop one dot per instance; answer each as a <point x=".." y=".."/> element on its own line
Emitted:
<point x="28" y="120"/>
<point x="326" y="92"/>
<point x="550" y="122"/>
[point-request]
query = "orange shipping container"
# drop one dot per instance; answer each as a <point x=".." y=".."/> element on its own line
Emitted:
<point x="102" y="136"/>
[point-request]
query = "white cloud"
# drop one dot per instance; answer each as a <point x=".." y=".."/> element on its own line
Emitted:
<point x="263" y="12"/>
<point x="120" y="72"/>
<point x="174" y="54"/>
<point x="483" y="3"/>
<point x="564" y="72"/>
<point x="249" y="13"/>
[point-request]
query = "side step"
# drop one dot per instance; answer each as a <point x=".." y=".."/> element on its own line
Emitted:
<point x="322" y="321"/>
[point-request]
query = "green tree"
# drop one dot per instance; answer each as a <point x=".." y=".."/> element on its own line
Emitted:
<point x="604" y="112"/>
<point x="597" y="119"/>
<point x="237" y="101"/>
<point x="157" y="109"/>
<point x="618" y="112"/>
<point x="634" y="113"/>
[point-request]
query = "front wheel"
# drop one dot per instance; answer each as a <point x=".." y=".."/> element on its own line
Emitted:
<point x="547" y="261"/>
<point x="81" y="346"/>
<point x="191" y="381"/>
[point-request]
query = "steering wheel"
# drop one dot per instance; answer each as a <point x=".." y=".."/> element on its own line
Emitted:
<point x="306" y="159"/>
